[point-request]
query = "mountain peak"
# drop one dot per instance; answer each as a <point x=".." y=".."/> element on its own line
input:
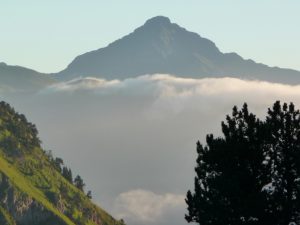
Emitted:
<point x="158" y="20"/>
<point x="160" y="46"/>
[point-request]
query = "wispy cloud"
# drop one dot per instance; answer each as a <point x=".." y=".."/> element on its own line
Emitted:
<point x="207" y="95"/>
<point x="146" y="206"/>
<point x="86" y="83"/>
<point x="180" y="87"/>
<point x="173" y="94"/>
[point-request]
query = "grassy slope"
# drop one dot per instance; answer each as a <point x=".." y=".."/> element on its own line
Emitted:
<point x="25" y="186"/>
<point x="48" y="179"/>
<point x="32" y="171"/>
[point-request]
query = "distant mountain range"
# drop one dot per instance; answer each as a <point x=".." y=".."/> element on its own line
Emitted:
<point x="16" y="78"/>
<point x="158" y="46"/>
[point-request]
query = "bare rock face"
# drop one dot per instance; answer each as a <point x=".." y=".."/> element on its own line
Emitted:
<point x="94" y="217"/>
<point x="23" y="209"/>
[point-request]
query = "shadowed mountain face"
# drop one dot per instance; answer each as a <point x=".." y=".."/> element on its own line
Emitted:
<point x="160" y="46"/>
<point x="16" y="78"/>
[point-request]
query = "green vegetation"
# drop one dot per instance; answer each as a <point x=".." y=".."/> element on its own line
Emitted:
<point x="5" y="218"/>
<point x="252" y="174"/>
<point x="34" y="173"/>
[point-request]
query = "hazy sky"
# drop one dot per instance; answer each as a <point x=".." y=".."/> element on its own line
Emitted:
<point x="47" y="35"/>
<point x="134" y="141"/>
<point x="137" y="136"/>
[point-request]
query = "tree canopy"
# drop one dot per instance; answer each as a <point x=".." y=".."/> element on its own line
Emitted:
<point x="251" y="175"/>
<point x="78" y="182"/>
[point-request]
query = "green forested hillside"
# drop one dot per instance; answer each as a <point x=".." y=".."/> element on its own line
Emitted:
<point x="33" y="187"/>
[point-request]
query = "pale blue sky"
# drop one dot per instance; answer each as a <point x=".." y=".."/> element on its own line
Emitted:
<point x="47" y="35"/>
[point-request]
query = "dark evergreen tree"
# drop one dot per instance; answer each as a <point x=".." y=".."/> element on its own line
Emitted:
<point x="89" y="194"/>
<point x="229" y="174"/>
<point x="67" y="173"/>
<point x="78" y="182"/>
<point x="58" y="162"/>
<point x="252" y="174"/>
<point x="283" y="161"/>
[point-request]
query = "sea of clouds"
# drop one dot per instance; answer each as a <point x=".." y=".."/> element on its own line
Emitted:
<point x="133" y="140"/>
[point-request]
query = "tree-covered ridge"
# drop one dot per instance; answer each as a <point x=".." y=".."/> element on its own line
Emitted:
<point x="251" y="175"/>
<point x="29" y="171"/>
<point x="17" y="135"/>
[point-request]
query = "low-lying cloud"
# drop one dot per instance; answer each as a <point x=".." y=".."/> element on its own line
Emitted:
<point x="172" y="94"/>
<point x="145" y="206"/>
<point x="140" y="134"/>
<point x="86" y="83"/>
<point x="170" y="86"/>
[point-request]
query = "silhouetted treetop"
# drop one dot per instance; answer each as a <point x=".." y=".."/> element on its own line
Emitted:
<point x="251" y="175"/>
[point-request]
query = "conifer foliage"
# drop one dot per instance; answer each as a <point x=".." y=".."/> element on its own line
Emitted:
<point x="251" y="175"/>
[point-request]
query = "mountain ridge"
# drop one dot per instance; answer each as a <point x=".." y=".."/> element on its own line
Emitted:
<point x="17" y="78"/>
<point x="160" y="46"/>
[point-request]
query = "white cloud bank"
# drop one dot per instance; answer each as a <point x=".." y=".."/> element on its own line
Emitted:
<point x="145" y="206"/>
<point x="170" y="86"/>
<point x="173" y="94"/>
<point x="141" y="132"/>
